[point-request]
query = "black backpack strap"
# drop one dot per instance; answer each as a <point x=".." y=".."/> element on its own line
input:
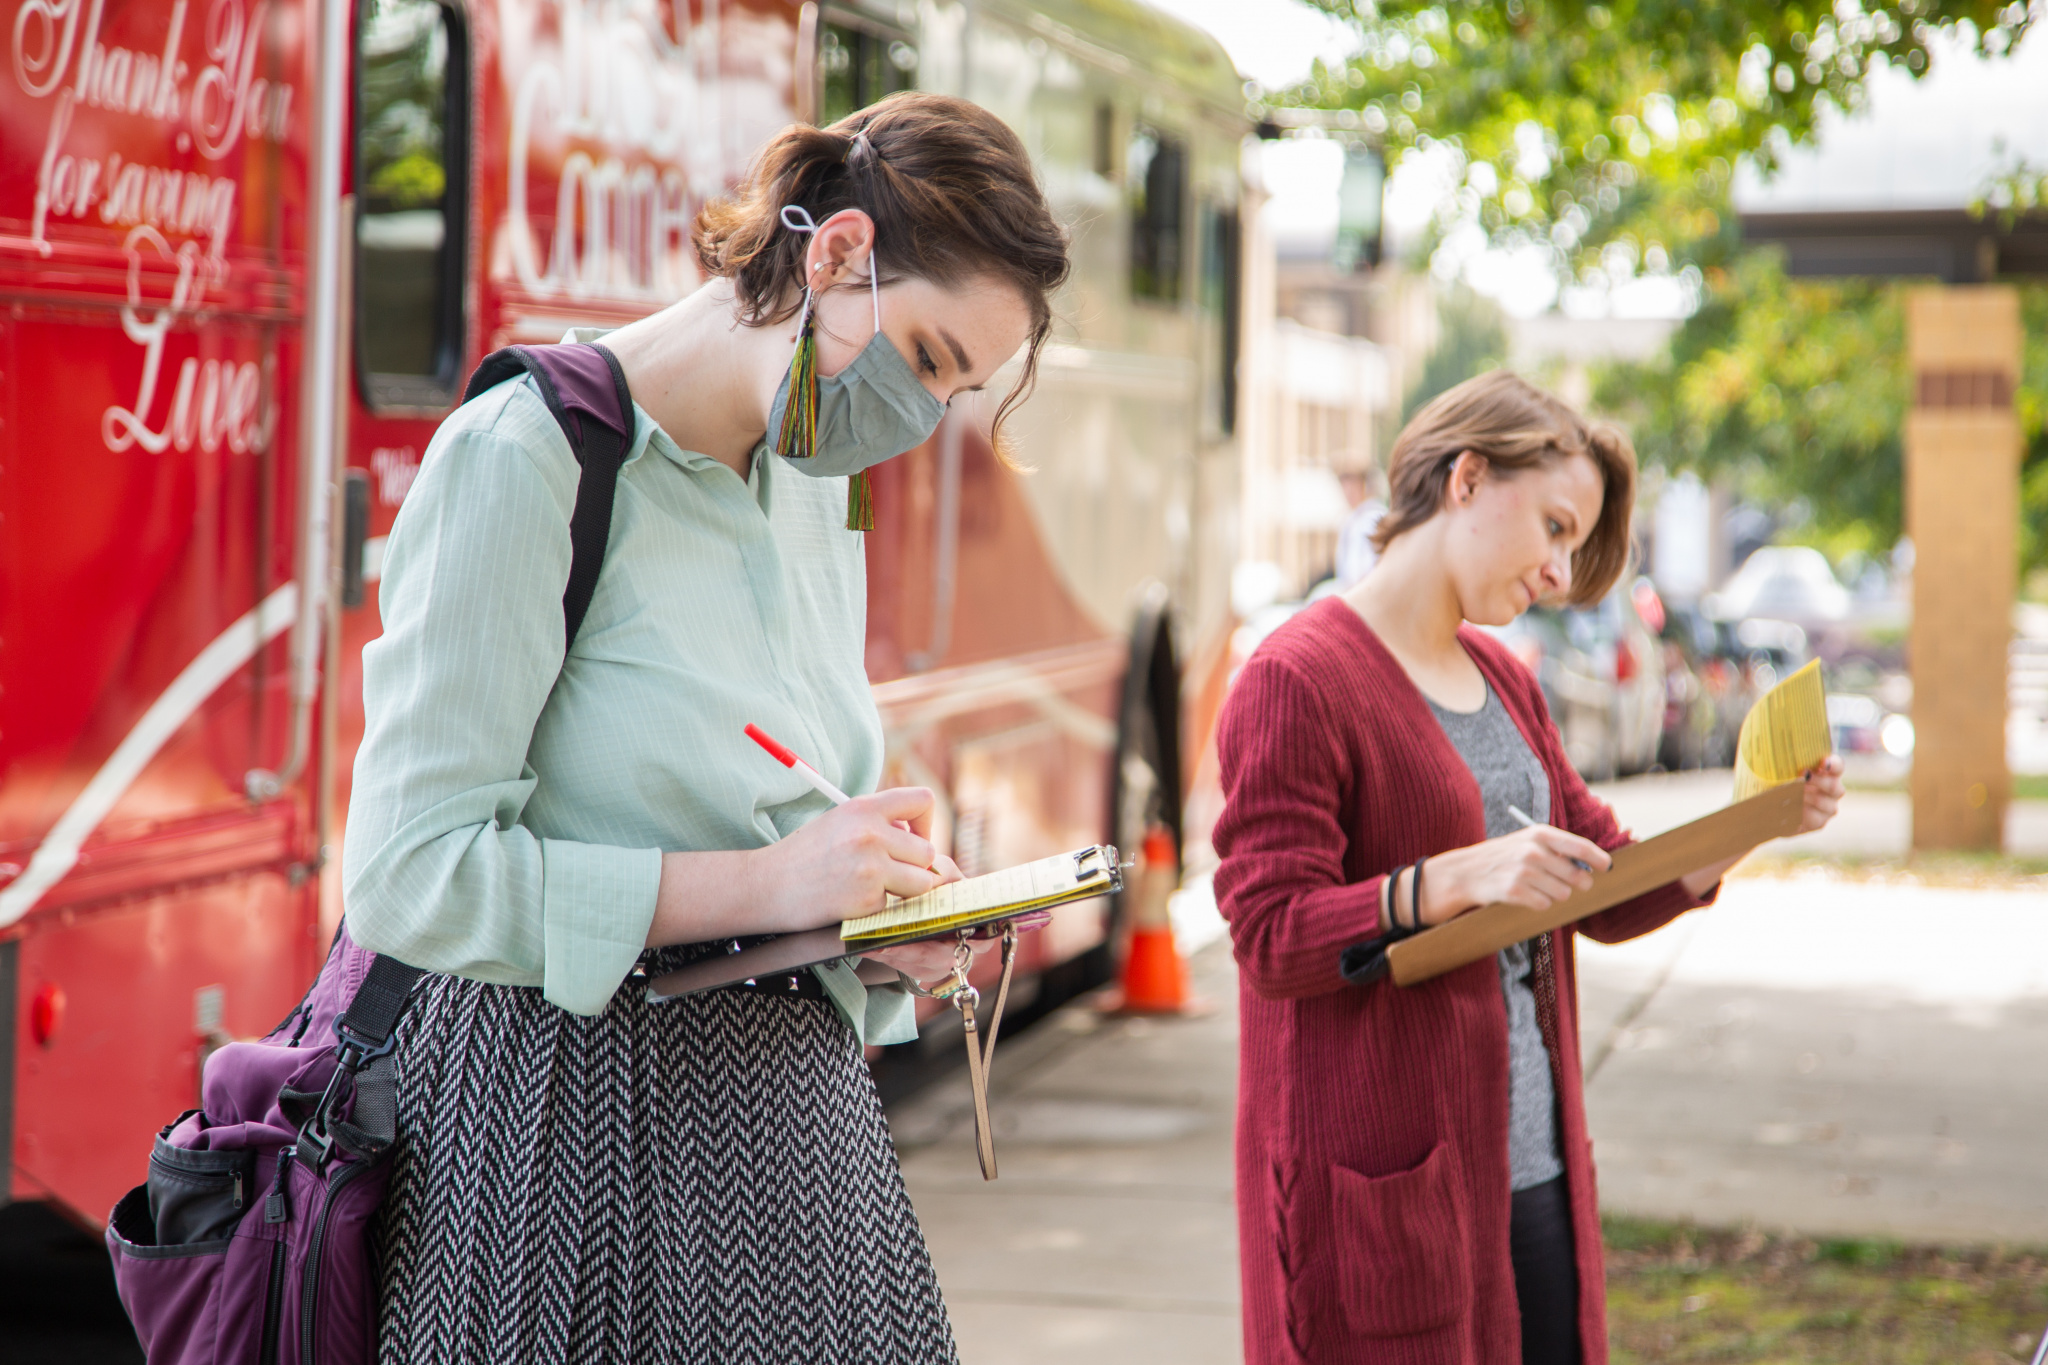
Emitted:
<point x="564" y="376"/>
<point x="358" y="1112"/>
<point x="590" y="525"/>
<point x="372" y="1016"/>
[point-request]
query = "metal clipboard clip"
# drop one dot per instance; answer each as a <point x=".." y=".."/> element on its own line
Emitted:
<point x="1101" y="858"/>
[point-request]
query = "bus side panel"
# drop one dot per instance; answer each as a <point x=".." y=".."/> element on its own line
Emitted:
<point x="152" y="229"/>
<point x="997" y="689"/>
<point x="601" y="131"/>
<point x="116" y="1007"/>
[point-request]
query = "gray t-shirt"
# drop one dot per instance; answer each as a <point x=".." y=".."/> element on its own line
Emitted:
<point x="1509" y="775"/>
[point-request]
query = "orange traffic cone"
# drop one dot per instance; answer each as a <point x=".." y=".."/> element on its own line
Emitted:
<point x="1155" y="979"/>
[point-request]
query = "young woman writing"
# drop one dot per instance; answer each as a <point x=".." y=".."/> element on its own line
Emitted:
<point x="585" y="1177"/>
<point x="1414" y="1178"/>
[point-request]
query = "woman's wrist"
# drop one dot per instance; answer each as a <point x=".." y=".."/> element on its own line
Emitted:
<point x="1442" y="893"/>
<point x="1698" y="884"/>
<point x="709" y="895"/>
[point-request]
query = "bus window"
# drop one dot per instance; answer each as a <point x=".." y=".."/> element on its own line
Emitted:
<point x="409" y="213"/>
<point x="1105" y="139"/>
<point x="1220" y="297"/>
<point x="1156" y="174"/>
<point x="857" y="66"/>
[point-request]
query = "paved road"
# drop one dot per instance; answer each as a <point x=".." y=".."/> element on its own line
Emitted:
<point x="1873" y="824"/>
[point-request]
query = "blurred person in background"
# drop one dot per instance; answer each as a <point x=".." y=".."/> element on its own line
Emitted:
<point x="1414" y="1177"/>
<point x="1365" y="488"/>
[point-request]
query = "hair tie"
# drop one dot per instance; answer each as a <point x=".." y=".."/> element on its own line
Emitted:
<point x="797" y="218"/>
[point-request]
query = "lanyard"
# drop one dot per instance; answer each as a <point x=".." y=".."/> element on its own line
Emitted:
<point x="980" y="1055"/>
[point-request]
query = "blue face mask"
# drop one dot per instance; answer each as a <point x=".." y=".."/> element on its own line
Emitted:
<point x="872" y="410"/>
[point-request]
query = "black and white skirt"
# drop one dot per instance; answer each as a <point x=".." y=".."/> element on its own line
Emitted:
<point x="709" y="1180"/>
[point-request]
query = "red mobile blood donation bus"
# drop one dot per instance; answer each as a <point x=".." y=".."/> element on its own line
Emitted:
<point x="249" y="252"/>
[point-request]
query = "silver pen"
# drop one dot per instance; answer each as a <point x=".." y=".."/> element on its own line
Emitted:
<point x="1529" y="823"/>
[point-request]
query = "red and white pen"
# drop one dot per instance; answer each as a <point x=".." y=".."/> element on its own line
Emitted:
<point x="788" y="759"/>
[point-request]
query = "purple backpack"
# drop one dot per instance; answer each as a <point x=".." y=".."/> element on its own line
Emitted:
<point x="249" y="1244"/>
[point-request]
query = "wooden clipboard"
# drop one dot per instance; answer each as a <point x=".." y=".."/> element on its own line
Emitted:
<point x="1727" y="833"/>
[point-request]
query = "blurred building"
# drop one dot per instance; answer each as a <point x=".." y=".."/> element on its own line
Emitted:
<point x="1334" y="338"/>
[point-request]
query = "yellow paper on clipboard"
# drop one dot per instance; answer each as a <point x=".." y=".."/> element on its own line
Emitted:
<point x="1785" y="734"/>
<point x="1014" y="891"/>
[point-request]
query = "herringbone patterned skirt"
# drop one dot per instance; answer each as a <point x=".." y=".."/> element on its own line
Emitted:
<point x="707" y="1182"/>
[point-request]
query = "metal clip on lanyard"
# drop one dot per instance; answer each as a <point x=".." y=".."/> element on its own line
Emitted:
<point x="980" y="1056"/>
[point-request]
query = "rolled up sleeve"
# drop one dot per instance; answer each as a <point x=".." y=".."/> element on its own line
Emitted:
<point x="593" y="934"/>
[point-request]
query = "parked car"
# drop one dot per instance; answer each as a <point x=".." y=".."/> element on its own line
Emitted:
<point x="1602" y="671"/>
<point x="1708" y="690"/>
<point x="1782" y="583"/>
<point x="1856" y="723"/>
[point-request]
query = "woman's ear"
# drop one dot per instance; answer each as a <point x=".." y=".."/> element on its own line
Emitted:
<point x="1468" y="471"/>
<point x="843" y="243"/>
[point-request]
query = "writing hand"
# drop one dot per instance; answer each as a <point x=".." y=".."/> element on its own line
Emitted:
<point x="1536" y="867"/>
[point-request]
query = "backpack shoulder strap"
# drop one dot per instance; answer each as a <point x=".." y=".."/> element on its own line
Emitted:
<point x="587" y="395"/>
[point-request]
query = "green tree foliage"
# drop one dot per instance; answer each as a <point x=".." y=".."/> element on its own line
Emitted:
<point x="1583" y="124"/>
<point x="401" y="141"/>
<point x="1607" y="133"/>
<point x="1796" y="390"/>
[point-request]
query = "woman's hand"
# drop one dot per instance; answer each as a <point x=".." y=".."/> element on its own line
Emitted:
<point x="1532" y="867"/>
<point x="932" y="958"/>
<point x="837" y="867"/>
<point x="1824" y="792"/>
<point x="842" y="864"/>
<point x="1823" y="798"/>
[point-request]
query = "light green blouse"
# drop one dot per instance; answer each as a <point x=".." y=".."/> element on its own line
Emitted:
<point x="511" y="808"/>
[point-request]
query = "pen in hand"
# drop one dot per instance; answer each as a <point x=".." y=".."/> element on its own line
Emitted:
<point x="1529" y="823"/>
<point x="788" y="759"/>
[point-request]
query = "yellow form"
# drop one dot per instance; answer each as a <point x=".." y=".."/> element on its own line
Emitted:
<point x="1785" y="735"/>
<point x="999" y="895"/>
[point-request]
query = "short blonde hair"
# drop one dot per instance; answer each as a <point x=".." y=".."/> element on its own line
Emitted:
<point x="1513" y="426"/>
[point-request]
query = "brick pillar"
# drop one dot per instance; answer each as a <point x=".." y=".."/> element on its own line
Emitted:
<point x="1962" y="456"/>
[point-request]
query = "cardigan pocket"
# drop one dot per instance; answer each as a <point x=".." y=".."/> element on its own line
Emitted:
<point x="1403" y="1262"/>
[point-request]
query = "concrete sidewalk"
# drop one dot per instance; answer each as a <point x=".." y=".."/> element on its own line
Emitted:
<point x="1832" y="1055"/>
<point x="1111" y="1236"/>
<point x="1828" y="1056"/>
<point x="1827" y="1053"/>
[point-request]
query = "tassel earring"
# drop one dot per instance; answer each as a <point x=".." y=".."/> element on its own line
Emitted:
<point x="860" y="503"/>
<point x="798" y="438"/>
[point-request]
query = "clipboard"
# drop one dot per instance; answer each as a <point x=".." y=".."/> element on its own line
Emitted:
<point x="1727" y="833"/>
<point x="1059" y="880"/>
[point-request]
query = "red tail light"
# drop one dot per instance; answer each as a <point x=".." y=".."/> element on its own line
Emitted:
<point x="46" y="1013"/>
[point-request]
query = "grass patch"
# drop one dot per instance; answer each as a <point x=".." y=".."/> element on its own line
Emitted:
<point x="1678" y="1294"/>
<point x="1988" y="871"/>
<point x="2025" y="786"/>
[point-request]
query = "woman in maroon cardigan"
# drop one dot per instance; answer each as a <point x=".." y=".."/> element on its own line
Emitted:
<point x="1415" y="1183"/>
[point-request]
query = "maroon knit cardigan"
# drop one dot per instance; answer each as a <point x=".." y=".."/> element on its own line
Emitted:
<point x="1372" y="1121"/>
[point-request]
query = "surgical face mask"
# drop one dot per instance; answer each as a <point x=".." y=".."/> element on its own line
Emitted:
<point x="872" y="410"/>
